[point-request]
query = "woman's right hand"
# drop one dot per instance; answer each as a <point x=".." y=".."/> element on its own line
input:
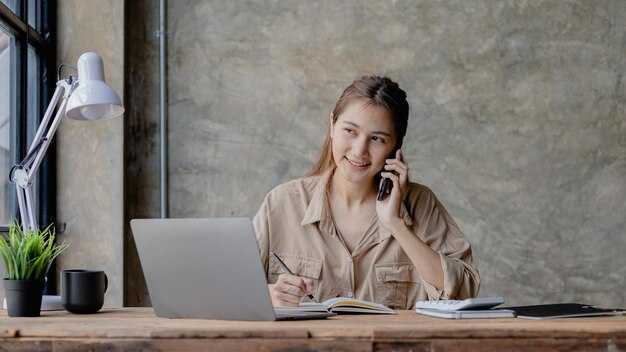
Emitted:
<point x="289" y="289"/>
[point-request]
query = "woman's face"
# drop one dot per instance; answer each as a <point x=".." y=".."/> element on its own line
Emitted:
<point x="363" y="137"/>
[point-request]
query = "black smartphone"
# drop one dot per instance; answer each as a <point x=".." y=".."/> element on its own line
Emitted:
<point x="385" y="187"/>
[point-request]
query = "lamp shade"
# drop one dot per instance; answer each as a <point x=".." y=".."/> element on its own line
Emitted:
<point x="93" y="99"/>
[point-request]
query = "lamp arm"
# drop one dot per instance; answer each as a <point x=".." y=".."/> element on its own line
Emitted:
<point x="37" y="141"/>
<point x="23" y="173"/>
<point x="68" y="89"/>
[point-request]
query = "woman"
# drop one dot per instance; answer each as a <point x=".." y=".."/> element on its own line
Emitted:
<point x="339" y="240"/>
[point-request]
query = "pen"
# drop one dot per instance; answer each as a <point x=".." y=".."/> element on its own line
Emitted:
<point x="286" y="269"/>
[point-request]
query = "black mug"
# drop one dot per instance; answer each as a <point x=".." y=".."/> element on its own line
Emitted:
<point x="82" y="290"/>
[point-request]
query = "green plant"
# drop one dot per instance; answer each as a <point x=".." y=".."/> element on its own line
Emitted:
<point x="28" y="254"/>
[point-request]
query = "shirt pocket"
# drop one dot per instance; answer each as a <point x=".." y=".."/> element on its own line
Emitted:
<point x="299" y="266"/>
<point x="397" y="285"/>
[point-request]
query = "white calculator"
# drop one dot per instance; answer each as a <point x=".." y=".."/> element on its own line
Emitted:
<point x="466" y="304"/>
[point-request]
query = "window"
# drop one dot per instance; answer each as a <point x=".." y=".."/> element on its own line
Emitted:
<point x="26" y="85"/>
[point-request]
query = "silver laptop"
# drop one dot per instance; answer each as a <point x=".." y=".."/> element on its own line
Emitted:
<point x="206" y="268"/>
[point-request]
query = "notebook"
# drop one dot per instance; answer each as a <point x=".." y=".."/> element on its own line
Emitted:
<point x="471" y="308"/>
<point x="467" y="314"/>
<point x="562" y="310"/>
<point x="347" y="305"/>
<point x="206" y="268"/>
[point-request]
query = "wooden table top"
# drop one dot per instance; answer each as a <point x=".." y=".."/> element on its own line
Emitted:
<point x="142" y="323"/>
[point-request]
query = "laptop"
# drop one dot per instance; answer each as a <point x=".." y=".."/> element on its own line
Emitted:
<point x="207" y="269"/>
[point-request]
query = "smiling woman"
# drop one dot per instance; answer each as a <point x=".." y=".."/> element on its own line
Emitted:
<point x="361" y="141"/>
<point x="340" y="240"/>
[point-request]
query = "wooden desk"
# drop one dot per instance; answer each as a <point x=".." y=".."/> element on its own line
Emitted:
<point x="138" y="329"/>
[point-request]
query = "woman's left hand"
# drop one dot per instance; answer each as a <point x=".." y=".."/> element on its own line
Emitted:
<point x="388" y="209"/>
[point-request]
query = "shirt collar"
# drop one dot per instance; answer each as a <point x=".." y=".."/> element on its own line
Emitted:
<point x="318" y="206"/>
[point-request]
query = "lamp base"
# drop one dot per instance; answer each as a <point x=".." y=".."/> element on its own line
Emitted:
<point x="48" y="302"/>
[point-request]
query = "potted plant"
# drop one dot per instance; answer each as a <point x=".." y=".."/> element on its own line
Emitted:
<point x="27" y="255"/>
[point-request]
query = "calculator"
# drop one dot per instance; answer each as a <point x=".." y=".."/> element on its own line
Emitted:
<point x="466" y="304"/>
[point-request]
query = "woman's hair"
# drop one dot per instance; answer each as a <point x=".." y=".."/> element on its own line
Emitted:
<point x="375" y="91"/>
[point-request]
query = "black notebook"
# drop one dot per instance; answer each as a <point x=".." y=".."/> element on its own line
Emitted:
<point x="562" y="310"/>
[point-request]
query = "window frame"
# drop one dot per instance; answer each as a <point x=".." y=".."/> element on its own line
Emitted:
<point x="42" y="37"/>
<point x="43" y="42"/>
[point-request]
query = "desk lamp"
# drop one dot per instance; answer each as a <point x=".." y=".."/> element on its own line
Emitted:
<point x="88" y="98"/>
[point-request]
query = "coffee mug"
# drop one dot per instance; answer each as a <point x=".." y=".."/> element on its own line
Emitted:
<point x="82" y="290"/>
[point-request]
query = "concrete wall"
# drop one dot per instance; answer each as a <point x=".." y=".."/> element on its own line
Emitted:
<point x="90" y="155"/>
<point x="517" y="121"/>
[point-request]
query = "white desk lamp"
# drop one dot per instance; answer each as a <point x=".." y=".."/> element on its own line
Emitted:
<point x="87" y="97"/>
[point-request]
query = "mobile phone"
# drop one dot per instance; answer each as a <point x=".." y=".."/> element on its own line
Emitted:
<point x="386" y="184"/>
<point x="382" y="191"/>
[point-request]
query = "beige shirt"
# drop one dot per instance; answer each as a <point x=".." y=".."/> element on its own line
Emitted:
<point x="294" y="221"/>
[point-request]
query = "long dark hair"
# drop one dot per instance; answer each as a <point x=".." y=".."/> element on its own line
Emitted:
<point x="373" y="91"/>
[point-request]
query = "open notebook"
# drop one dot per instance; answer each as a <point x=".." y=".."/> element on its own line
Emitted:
<point x="343" y="305"/>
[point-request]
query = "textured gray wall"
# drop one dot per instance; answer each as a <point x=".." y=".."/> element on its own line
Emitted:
<point x="517" y="120"/>
<point x="90" y="155"/>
